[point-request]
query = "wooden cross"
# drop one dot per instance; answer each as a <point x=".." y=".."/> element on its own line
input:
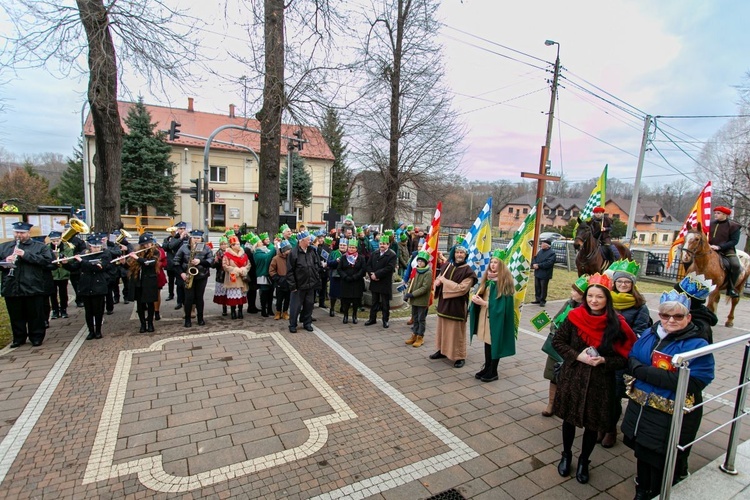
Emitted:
<point x="541" y="178"/>
<point x="331" y="217"/>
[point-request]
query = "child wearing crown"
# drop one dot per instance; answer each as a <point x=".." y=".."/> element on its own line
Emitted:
<point x="652" y="389"/>
<point x="594" y="342"/>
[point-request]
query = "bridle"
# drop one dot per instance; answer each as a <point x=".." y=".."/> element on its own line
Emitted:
<point x="695" y="253"/>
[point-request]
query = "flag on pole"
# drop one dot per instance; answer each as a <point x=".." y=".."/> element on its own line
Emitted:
<point x="700" y="213"/>
<point x="479" y="240"/>
<point x="518" y="259"/>
<point x="430" y="245"/>
<point x="597" y="198"/>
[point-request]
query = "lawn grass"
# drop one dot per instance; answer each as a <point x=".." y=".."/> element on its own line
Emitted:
<point x="5" y="331"/>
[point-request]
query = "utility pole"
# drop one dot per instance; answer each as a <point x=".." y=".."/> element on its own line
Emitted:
<point x="637" y="186"/>
<point x="543" y="175"/>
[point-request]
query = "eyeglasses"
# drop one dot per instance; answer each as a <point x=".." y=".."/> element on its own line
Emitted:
<point x="676" y="317"/>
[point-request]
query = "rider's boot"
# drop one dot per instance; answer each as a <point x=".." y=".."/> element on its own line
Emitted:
<point x="615" y="252"/>
<point x="731" y="280"/>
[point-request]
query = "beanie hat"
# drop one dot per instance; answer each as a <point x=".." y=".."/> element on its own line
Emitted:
<point x="724" y="210"/>
<point x="599" y="210"/>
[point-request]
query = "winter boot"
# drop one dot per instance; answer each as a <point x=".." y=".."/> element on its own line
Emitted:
<point x="412" y="339"/>
<point x="277" y="315"/>
<point x="55" y="314"/>
<point x="224" y="310"/>
<point x="239" y="312"/>
<point x="354" y="316"/>
<point x="234" y="312"/>
<point x="419" y="341"/>
<point x="64" y="313"/>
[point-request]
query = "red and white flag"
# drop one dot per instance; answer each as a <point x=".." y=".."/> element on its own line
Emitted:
<point x="700" y="213"/>
<point x="430" y="245"/>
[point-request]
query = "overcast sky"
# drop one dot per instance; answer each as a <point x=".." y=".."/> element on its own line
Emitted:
<point x="671" y="57"/>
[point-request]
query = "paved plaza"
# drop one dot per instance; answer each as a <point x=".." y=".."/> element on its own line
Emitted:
<point x="245" y="409"/>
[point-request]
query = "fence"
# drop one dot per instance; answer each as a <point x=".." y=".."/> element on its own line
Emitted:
<point x="681" y="361"/>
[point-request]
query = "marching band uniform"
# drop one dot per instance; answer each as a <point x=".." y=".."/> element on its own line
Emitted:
<point x="79" y="246"/>
<point x="143" y="289"/>
<point x="174" y="245"/>
<point x="60" y="275"/>
<point x="171" y="272"/>
<point x="93" y="285"/>
<point x="202" y="260"/>
<point x="24" y="287"/>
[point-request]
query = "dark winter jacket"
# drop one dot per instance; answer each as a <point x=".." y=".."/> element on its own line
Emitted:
<point x="303" y="269"/>
<point x="383" y="266"/>
<point x="182" y="261"/>
<point x="33" y="272"/>
<point x="724" y="234"/>
<point x="170" y="246"/>
<point x="546" y="261"/>
<point x="352" y="277"/>
<point x="146" y="278"/>
<point x="94" y="277"/>
<point x="638" y="318"/>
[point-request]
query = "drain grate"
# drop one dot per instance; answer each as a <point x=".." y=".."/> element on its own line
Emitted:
<point x="451" y="494"/>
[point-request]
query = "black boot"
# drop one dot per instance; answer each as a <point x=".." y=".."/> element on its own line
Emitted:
<point x="491" y="374"/>
<point x="200" y="320"/>
<point x="150" y="326"/>
<point x="642" y="494"/>
<point x="98" y="333"/>
<point x="63" y="313"/>
<point x="188" y="323"/>
<point x="731" y="292"/>
<point x="157" y="316"/>
<point x="234" y="312"/>
<point x="90" y="336"/>
<point x="354" y="315"/>
<point x="239" y="313"/>
<point x="224" y="310"/>
<point x="582" y="472"/>
<point x="55" y="314"/>
<point x="563" y="468"/>
<point x="487" y="362"/>
<point x="143" y="326"/>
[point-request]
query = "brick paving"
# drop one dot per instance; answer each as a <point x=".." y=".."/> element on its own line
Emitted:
<point x="245" y="409"/>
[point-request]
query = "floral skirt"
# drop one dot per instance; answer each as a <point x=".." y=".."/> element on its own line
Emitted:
<point x="235" y="297"/>
<point x="220" y="294"/>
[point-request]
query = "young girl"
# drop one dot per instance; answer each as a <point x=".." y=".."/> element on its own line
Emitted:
<point x="418" y="295"/>
<point x="492" y="316"/>
<point x="93" y="284"/>
<point x="236" y="266"/>
<point x="577" y="290"/>
<point x="143" y="287"/>
<point x="220" y="294"/>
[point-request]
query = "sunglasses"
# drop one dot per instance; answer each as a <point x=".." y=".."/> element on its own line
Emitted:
<point x="676" y="317"/>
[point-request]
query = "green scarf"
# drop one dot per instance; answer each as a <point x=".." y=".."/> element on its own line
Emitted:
<point x="622" y="301"/>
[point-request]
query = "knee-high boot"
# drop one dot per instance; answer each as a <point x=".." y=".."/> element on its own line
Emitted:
<point x="487" y="362"/>
<point x="345" y="307"/>
<point x="142" y="318"/>
<point x="490" y="373"/>
<point x="333" y="306"/>
<point x="234" y="312"/>
<point x="355" y="308"/>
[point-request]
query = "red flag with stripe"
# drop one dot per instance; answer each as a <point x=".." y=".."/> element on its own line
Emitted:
<point x="430" y="245"/>
<point x="700" y="213"/>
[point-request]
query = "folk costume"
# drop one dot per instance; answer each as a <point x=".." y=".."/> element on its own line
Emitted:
<point x="220" y="293"/>
<point x="236" y="265"/>
<point x="143" y="282"/>
<point x="726" y="235"/>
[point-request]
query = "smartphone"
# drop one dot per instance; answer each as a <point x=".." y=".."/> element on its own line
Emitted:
<point x="592" y="352"/>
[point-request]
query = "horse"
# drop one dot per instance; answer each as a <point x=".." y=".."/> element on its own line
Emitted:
<point x="590" y="258"/>
<point x="698" y="256"/>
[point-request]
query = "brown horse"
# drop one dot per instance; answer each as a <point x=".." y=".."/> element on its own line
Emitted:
<point x="590" y="258"/>
<point x="698" y="256"/>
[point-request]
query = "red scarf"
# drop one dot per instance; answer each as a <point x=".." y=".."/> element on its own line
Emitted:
<point x="239" y="260"/>
<point x="591" y="329"/>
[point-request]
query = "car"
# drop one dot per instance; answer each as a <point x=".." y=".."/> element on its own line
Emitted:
<point x="550" y="236"/>
<point x="655" y="265"/>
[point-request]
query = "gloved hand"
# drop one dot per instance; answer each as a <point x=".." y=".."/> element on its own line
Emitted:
<point x="408" y="296"/>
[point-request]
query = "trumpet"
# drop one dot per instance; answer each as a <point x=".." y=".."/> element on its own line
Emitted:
<point x="172" y="229"/>
<point x="118" y="259"/>
<point x="66" y="259"/>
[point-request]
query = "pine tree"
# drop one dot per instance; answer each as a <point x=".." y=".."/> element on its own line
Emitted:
<point x="341" y="175"/>
<point x="147" y="173"/>
<point x="70" y="189"/>
<point x="301" y="182"/>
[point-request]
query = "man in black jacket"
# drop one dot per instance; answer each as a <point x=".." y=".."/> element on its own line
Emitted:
<point x="303" y="276"/>
<point x="543" y="265"/>
<point x="380" y="269"/>
<point x="26" y="271"/>
<point x="724" y="237"/>
<point x="181" y="238"/>
<point x="171" y="251"/>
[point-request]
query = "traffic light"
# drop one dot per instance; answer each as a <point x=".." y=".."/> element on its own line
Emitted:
<point x="195" y="191"/>
<point x="211" y="195"/>
<point x="174" y="132"/>
<point x="300" y="144"/>
<point x="257" y="197"/>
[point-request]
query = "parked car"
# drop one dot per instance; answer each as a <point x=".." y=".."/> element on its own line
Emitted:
<point x="655" y="265"/>
<point x="550" y="236"/>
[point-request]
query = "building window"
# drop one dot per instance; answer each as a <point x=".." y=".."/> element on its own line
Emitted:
<point x="300" y="212"/>
<point x="561" y="212"/>
<point x="218" y="174"/>
<point x="525" y="211"/>
<point x="664" y="238"/>
<point x="575" y="213"/>
<point x="547" y="211"/>
<point x="218" y="215"/>
<point x="642" y="237"/>
<point x="616" y="216"/>
<point x="359" y="191"/>
<point x="418" y="217"/>
<point x="510" y="210"/>
<point x="404" y="195"/>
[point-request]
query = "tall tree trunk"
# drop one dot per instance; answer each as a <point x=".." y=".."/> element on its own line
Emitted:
<point x="392" y="174"/>
<point x="270" y="117"/>
<point x="102" y="95"/>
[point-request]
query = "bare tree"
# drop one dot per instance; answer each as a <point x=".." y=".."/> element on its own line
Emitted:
<point x="142" y="32"/>
<point x="408" y="130"/>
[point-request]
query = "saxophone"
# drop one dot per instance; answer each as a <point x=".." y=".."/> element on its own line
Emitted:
<point x="192" y="270"/>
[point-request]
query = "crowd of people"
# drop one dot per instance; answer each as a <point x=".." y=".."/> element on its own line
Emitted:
<point x="606" y="345"/>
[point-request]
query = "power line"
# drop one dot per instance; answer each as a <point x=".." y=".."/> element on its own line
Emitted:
<point x="643" y="113"/>
<point x="497" y="44"/>
<point x="495" y="103"/>
<point x="701" y="116"/>
<point x="673" y="167"/>
<point x="494" y="52"/>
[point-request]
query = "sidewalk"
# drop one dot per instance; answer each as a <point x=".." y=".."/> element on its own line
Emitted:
<point x="245" y="409"/>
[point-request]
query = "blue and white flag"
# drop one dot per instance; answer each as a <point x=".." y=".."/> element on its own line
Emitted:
<point x="479" y="240"/>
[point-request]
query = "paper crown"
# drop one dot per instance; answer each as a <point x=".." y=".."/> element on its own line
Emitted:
<point x="675" y="296"/>
<point x="245" y="237"/>
<point x="284" y="245"/>
<point x="263" y="236"/>
<point x="233" y="240"/>
<point x="582" y="283"/>
<point x="498" y="254"/>
<point x="352" y="242"/>
<point x="388" y="232"/>
<point x="424" y="256"/>
<point x="229" y="233"/>
<point x="410" y="227"/>
<point x="697" y="286"/>
<point x="283" y="228"/>
<point x="327" y="240"/>
<point x="630" y="267"/>
<point x="403" y="237"/>
<point x="459" y="238"/>
<point x="223" y="239"/>
<point x="462" y="245"/>
<point x="254" y="239"/>
<point x="302" y="235"/>
<point x="601" y="280"/>
<point x="279" y="236"/>
<point x="360" y="231"/>
<point x="349" y="217"/>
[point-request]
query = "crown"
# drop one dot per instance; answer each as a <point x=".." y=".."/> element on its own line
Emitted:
<point x="229" y="232"/>
<point x="630" y="267"/>
<point x="675" y="296"/>
<point x="245" y="237"/>
<point x="697" y="286"/>
<point x="601" y="280"/>
<point x="582" y="283"/>
<point x="498" y="254"/>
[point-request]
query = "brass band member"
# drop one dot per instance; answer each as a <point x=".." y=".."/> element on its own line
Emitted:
<point x="93" y="285"/>
<point x="60" y="275"/>
<point x="26" y="264"/>
<point x="194" y="261"/>
<point x="180" y="239"/>
<point x="143" y="288"/>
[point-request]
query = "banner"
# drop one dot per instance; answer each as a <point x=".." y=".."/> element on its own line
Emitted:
<point x="430" y="246"/>
<point x="518" y="259"/>
<point x="700" y="213"/>
<point x="597" y="198"/>
<point x="479" y="240"/>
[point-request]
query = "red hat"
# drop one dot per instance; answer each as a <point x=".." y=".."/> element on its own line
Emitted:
<point x="599" y="210"/>
<point x="723" y="210"/>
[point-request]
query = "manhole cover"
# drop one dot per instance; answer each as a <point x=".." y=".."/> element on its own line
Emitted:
<point x="450" y="494"/>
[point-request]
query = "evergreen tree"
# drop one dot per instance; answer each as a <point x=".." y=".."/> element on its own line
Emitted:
<point x="341" y="188"/>
<point x="70" y="189"/>
<point x="301" y="182"/>
<point x="147" y="173"/>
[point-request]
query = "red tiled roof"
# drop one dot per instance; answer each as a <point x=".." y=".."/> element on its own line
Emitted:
<point x="202" y="124"/>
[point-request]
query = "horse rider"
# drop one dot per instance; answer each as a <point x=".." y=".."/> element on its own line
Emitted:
<point x="724" y="236"/>
<point x="601" y="226"/>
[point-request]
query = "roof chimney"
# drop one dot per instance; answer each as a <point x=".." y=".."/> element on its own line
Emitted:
<point x="231" y="111"/>
<point x="190" y="105"/>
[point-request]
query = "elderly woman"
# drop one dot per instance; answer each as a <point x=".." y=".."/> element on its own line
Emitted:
<point x="594" y="342"/>
<point x="652" y="387"/>
<point x="236" y="266"/>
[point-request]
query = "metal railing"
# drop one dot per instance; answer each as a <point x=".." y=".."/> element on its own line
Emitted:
<point x="682" y="361"/>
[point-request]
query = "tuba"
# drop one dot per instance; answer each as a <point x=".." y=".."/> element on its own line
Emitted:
<point x="122" y="236"/>
<point x="76" y="226"/>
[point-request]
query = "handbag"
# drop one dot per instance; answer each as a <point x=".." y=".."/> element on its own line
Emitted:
<point x="549" y="350"/>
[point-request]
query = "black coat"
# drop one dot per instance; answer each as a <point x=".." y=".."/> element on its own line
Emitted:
<point x="546" y="261"/>
<point x="171" y="246"/>
<point x="79" y="247"/>
<point x="352" y="277"/>
<point x="182" y="261"/>
<point x="145" y="280"/>
<point x="33" y="272"/>
<point x="383" y="266"/>
<point x="94" y="278"/>
<point x="303" y="269"/>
